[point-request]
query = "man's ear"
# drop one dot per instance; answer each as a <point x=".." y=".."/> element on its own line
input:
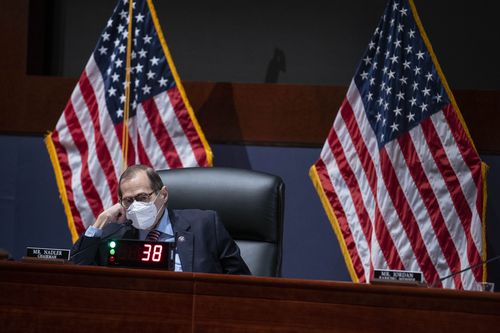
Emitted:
<point x="164" y="193"/>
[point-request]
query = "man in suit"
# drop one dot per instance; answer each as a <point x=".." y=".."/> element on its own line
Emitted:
<point x="202" y="242"/>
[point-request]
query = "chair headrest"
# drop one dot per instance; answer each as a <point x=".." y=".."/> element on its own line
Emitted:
<point x="242" y="198"/>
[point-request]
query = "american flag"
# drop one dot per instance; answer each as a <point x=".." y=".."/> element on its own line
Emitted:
<point x="399" y="176"/>
<point x="88" y="145"/>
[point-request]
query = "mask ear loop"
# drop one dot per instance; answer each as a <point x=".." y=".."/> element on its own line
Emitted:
<point x="158" y="216"/>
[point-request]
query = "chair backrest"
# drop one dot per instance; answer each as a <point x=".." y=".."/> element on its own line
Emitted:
<point x="250" y="205"/>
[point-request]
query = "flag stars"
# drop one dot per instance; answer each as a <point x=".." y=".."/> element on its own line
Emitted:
<point x="388" y="90"/>
<point x="394" y="59"/>
<point x="410" y="116"/>
<point x="146" y="89"/>
<point x="142" y="53"/>
<point x="122" y="48"/>
<point x="390" y="75"/>
<point x="403" y="11"/>
<point x="119" y="113"/>
<point x="394" y="127"/>
<point x="371" y="45"/>
<point x="420" y="55"/>
<point x="115" y="77"/>
<point x="413" y="101"/>
<point x="400" y="95"/>
<point x="416" y="70"/>
<point x="105" y="36"/>
<point x="429" y="76"/>
<point x="386" y="106"/>
<point x="423" y="107"/>
<point x="122" y="98"/>
<point x="147" y="39"/>
<point x="426" y="92"/>
<point x="400" y="27"/>
<point x="163" y="82"/>
<point x="397" y="43"/>
<point x="118" y="63"/>
<point x="408" y="49"/>
<point x="154" y="61"/>
<point x="406" y="64"/>
<point x="372" y="81"/>
<point x="111" y="91"/>
<point x="411" y="33"/>
<point x="415" y="85"/>
<point x="120" y="28"/>
<point x="395" y="6"/>
<point x="378" y="116"/>
<point x="139" y="17"/>
<point x="403" y="79"/>
<point x="369" y="97"/>
<point x="123" y="14"/>
<point x="364" y="75"/>
<point x="103" y="50"/>
<point x="138" y="68"/>
<point x="397" y="111"/>
<point x="150" y="75"/>
<point x="438" y="98"/>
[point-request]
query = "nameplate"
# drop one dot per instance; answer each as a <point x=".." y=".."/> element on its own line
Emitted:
<point x="47" y="253"/>
<point x="395" y="276"/>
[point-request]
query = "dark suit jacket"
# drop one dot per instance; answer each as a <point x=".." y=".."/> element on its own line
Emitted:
<point x="203" y="244"/>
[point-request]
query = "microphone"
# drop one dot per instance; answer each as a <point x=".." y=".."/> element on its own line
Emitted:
<point x="433" y="285"/>
<point x="102" y="240"/>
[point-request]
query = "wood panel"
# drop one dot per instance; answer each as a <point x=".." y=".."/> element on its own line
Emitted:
<point x="266" y="305"/>
<point x="258" y="113"/>
<point x="68" y="298"/>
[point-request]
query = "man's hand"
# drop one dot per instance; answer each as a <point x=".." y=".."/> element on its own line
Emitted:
<point x="115" y="214"/>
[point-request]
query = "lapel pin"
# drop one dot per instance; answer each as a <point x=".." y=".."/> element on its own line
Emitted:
<point x="181" y="239"/>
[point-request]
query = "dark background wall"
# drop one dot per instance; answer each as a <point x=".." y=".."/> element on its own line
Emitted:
<point x="227" y="41"/>
<point x="322" y="41"/>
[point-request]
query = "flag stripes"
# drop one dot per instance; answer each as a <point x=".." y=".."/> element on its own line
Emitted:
<point x="398" y="176"/>
<point x="86" y="144"/>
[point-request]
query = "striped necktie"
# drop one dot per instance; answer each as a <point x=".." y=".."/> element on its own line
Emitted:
<point x="153" y="236"/>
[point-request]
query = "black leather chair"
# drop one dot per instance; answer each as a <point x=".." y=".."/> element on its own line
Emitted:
<point x="249" y="203"/>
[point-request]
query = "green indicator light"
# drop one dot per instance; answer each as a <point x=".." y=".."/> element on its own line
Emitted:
<point x="112" y="244"/>
<point x="112" y="251"/>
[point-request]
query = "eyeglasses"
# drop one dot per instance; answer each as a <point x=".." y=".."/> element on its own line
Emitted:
<point x="141" y="197"/>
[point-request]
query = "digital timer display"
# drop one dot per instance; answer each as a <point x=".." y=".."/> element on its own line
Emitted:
<point x="135" y="253"/>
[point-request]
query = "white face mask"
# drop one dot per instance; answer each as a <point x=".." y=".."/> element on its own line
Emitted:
<point x="142" y="214"/>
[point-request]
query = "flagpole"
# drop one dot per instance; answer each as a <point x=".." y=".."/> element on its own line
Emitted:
<point x="126" y="108"/>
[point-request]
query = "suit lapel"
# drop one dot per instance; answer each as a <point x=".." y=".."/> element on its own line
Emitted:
<point x="184" y="241"/>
